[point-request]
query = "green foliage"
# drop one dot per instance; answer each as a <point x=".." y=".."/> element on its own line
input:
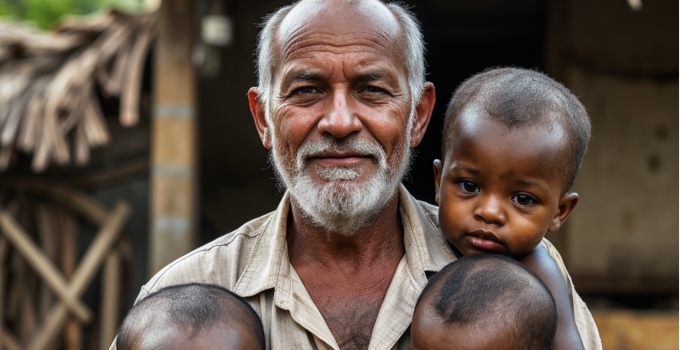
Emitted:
<point x="45" y="14"/>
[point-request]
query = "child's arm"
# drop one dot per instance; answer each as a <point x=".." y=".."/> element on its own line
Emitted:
<point x="541" y="263"/>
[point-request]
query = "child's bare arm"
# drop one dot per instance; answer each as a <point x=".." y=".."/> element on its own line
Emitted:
<point x="541" y="263"/>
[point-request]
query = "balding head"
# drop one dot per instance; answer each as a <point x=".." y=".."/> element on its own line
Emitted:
<point x="518" y="98"/>
<point x="485" y="301"/>
<point x="196" y="316"/>
<point x="391" y="21"/>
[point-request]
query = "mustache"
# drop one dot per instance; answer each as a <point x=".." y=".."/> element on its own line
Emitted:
<point x="328" y="143"/>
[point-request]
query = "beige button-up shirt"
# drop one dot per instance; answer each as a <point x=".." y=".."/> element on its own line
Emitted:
<point x="253" y="263"/>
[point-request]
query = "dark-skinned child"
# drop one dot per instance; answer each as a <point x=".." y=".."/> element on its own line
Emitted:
<point x="513" y="143"/>
<point x="484" y="302"/>
<point x="191" y="317"/>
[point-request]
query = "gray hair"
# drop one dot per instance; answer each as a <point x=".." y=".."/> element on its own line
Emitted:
<point x="268" y="52"/>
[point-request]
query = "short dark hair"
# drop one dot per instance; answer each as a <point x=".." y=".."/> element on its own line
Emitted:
<point x="518" y="97"/>
<point x="193" y="307"/>
<point x="494" y="289"/>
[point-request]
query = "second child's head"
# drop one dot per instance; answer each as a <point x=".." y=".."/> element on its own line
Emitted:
<point x="484" y="302"/>
<point x="513" y="144"/>
<point x="191" y="316"/>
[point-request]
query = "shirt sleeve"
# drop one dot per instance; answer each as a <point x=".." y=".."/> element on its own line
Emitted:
<point x="584" y="320"/>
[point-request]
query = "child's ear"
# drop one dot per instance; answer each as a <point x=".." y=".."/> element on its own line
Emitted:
<point x="437" y="178"/>
<point x="564" y="209"/>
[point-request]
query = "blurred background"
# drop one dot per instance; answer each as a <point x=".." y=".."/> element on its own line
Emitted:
<point x="126" y="141"/>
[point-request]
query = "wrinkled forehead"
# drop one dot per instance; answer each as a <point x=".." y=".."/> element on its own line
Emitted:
<point x="343" y="24"/>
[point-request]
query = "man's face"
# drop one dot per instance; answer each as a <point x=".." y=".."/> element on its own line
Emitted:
<point x="340" y="111"/>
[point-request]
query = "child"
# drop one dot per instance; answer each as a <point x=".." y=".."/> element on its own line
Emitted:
<point x="191" y="316"/>
<point x="484" y="302"/>
<point x="513" y="143"/>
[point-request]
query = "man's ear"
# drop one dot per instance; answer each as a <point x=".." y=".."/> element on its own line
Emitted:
<point x="437" y="178"/>
<point x="564" y="209"/>
<point x="257" y="109"/>
<point x="423" y="114"/>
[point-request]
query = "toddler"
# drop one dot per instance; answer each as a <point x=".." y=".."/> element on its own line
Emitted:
<point x="513" y="144"/>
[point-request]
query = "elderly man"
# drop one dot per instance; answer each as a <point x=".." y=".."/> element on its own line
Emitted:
<point x="340" y="264"/>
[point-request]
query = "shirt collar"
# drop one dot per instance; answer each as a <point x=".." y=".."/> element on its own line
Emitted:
<point x="426" y="248"/>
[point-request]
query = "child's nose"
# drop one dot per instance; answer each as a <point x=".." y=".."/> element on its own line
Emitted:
<point x="491" y="211"/>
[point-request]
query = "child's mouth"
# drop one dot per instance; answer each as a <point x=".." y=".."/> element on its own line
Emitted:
<point x="485" y="240"/>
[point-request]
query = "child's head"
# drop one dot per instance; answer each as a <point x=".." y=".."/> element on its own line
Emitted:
<point x="484" y="302"/>
<point x="191" y="316"/>
<point x="513" y="143"/>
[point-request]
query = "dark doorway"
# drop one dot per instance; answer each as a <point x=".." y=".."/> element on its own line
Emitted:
<point x="464" y="38"/>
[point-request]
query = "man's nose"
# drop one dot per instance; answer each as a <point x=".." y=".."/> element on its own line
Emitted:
<point x="491" y="211"/>
<point x="340" y="120"/>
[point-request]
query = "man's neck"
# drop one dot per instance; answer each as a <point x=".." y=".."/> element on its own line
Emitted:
<point x="347" y="277"/>
<point x="380" y="240"/>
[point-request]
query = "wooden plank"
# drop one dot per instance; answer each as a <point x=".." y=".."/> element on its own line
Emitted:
<point x="67" y="225"/>
<point x="42" y="265"/>
<point x="173" y="147"/>
<point x="96" y="253"/>
<point x="47" y="234"/>
<point x="110" y="298"/>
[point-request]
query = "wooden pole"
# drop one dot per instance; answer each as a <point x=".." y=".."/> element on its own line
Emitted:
<point x="68" y="265"/>
<point x="173" y="150"/>
<point x="110" y="297"/>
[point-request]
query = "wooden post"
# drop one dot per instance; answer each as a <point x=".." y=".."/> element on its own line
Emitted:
<point x="173" y="152"/>
<point x="110" y="297"/>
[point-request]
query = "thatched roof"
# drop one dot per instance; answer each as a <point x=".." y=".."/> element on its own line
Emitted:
<point x="48" y="102"/>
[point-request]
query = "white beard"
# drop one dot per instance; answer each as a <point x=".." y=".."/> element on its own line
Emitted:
<point x="340" y="204"/>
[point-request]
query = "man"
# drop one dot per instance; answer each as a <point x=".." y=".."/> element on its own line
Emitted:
<point x="340" y="264"/>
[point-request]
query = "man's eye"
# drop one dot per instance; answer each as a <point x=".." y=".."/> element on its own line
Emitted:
<point x="307" y="90"/>
<point x="524" y="199"/>
<point x="374" y="89"/>
<point x="469" y="186"/>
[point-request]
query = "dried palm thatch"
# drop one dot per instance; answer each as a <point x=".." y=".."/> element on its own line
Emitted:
<point x="48" y="102"/>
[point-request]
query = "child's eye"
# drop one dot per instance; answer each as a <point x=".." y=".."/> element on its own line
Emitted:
<point x="468" y="186"/>
<point x="524" y="199"/>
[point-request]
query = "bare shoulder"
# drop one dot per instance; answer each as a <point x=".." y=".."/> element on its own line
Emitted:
<point x="544" y="265"/>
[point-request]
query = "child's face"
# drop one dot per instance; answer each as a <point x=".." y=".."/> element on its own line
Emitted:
<point x="500" y="190"/>
<point x="428" y="332"/>
<point x="219" y="337"/>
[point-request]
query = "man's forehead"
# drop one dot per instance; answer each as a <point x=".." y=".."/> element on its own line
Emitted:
<point x="355" y="21"/>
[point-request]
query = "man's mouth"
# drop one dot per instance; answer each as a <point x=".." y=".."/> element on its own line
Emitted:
<point x="337" y="158"/>
<point x="485" y="240"/>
